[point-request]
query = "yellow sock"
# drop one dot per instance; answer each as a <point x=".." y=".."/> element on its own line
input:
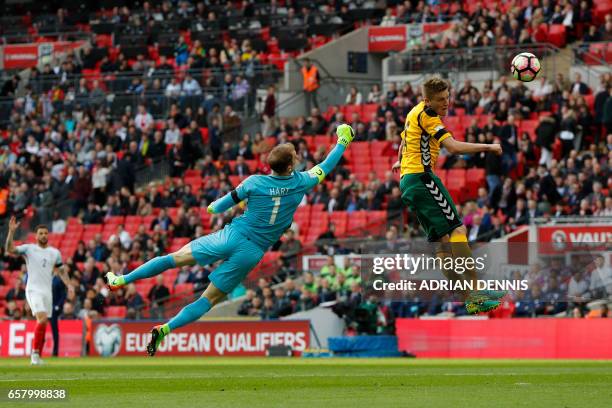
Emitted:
<point x="461" y="249"/>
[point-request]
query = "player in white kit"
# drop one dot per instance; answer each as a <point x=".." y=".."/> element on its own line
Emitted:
<point x="42" y="261"/>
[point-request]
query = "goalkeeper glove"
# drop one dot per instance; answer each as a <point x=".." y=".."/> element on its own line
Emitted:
<point x="345" y="134"/>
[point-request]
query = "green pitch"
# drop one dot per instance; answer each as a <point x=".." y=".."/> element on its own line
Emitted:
<point x="326" y="383"/>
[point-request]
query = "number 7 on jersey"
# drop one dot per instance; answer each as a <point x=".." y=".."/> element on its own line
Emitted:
<point x="277" y="201"/>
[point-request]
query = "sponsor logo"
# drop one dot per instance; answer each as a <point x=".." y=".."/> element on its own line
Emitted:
<point x="12" y="57"/>
<point x="384" y="38"/>
<point x="107" y="340"/>
<point x="558" y="239"/>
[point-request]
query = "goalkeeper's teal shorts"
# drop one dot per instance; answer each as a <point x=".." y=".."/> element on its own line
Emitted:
<point x="239" y="255"/>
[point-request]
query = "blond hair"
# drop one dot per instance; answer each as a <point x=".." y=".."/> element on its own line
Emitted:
<point x="433" y="86"/>
<point x="281" y="157"/>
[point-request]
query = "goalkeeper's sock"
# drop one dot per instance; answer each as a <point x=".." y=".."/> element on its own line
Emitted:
<point x="190" y="313"/>
<point x="153" y="267"/>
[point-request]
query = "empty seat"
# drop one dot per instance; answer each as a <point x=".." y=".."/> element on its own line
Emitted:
<point x="116" y="312"/>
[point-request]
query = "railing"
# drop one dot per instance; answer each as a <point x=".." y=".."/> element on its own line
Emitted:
<point x="156" y="170"/>
<point x="120" y="81"/>
<point x="238" y="24"/>
<point x="52" y="35"/>
<point x="130" y="89"/>
<point x="592" y="65"/>
<point x="332" y="90"/>
<point x="587" y="53"/>
<point x="494" y="58"/>
<point x="570" y="219"/>
<point x="158" y="104"/>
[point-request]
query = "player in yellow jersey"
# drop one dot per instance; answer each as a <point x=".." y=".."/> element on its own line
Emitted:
<point x="422" y="191"/>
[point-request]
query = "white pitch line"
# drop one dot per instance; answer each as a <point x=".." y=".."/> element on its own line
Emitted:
<point x="170" y="377"/>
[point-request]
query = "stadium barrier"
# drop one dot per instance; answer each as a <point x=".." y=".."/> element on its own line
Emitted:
<point x="110" y="338"/>
<point x="204" y="338"/>
<point x="16" y="338"/>
<point x="506" y="338"/>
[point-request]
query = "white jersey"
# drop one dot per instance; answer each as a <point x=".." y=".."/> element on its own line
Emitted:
<point x="40" y="263"/>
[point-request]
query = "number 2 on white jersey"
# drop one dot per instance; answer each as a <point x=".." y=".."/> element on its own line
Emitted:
<point x="277" y="201"/>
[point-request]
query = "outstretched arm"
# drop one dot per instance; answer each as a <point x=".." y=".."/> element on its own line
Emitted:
<point x="345" y="137"/>
<point x="9" y="247"/>
<point x="456" y="147"/>
<point x="227" y="201"/>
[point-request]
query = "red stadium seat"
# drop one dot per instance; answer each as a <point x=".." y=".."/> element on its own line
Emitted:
<point x="4" y="291"/>
<point x="89" y="228"/>
<point x="357" y="221"/>
<point x="452" y="122"/>
<point x="368" y="110"/>
<point x="195" y="182"/>
<point x="235" y="180"/>
<point x="529" y="126"/>
<point x="348" y="111"/>
<point x="475" y="178"/>
<point x="322" y="140"/>
<point x="143" y="288"/>
<point x="183" y="288"/>
<point x="116" y="312"/>
<point x="252" y="165"/>
<point x="133" y="219"/>
<point x="173" y="213"/>
<point x="168" y="280"/>
<point x="456" y="178"/>
<point x="556" y="35"/>
<point x="317" y="208"/>
<point x="147" y="220"/>
<point x="441" y="173"/>
<point x="378" y="148"/>
<point x="590" y="101"/>
<point x="309" y="139"/>
<point x="541" y="34"/>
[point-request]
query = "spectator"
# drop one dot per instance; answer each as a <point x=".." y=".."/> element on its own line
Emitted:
<point x="158" y="296"/>
<point x="310" y="76"/>
<point x="68" y="312"/>
<point x="545" y="133"/>
<point x="325" y="292"/>
<point x="354" y="97"/>
<point x="16" y="292"/>
<point x="269" y="112"/>
<point x="374" y="94"/>
<point x="579" y="87"/>
<point x="58" y="225"/>
<point x="247" y="304"/>
<point x="289" y="249"/>
<point x="173" y="134"/>
<point x="282" y="304"/>
<point x="509" y="142"/>
<point x="190" y="86"/>
<point x="143" y="119"/>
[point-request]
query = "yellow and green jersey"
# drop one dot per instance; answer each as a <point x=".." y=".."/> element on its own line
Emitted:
<point x="423" y="134"/>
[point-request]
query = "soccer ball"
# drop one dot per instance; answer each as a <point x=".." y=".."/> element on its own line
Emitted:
<point x="525" y="67"/>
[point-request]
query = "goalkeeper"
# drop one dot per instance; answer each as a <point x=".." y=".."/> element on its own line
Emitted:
<point x="272" y="201"/>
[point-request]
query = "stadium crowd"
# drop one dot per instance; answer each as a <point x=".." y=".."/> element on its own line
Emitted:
<point x="66" y="143"/>
<point x="510" y="23"/>
<point x="44" y="166"/>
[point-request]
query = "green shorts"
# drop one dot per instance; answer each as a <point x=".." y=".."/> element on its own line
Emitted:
<point x="426" y="196"/>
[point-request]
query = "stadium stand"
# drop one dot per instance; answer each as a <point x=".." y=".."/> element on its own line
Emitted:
<point x="160" y="86"/>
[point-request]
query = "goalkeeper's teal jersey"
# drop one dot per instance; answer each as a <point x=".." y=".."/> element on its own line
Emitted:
<point x="271" y="203"/>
